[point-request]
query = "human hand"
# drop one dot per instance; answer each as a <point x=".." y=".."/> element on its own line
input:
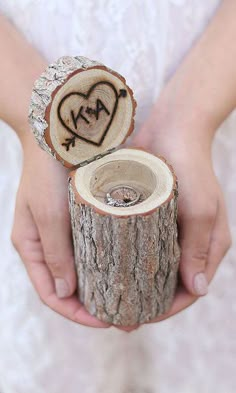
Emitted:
<point x="204" y="235"/>
<point x="42" y="233"/>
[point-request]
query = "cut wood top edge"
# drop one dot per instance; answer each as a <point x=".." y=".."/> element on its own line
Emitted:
<point x="173" y="195"/>
<point x="45" y="89"/>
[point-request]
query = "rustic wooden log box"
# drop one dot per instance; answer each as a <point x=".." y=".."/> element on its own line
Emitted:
<point x="123" y="202"/>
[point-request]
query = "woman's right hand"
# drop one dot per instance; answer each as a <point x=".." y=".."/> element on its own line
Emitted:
<point x="42" y="233"/>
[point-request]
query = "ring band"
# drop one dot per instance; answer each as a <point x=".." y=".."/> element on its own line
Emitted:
<point x="122" y="196"/>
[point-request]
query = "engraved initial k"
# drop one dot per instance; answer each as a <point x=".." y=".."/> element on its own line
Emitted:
<point x="79" y="114"/>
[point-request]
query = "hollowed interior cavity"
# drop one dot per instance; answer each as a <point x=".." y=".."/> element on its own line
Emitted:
<point x="122" y="173"/>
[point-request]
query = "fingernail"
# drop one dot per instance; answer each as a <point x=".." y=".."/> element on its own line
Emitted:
<point x="62" y="288"/>
<point x="200" y="284"/>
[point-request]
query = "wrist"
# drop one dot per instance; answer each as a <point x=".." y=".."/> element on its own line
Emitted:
<point x="27" y="140"/>
<point x="175" y="133"/>
<point x="182" y="124"/>
<point x="184" y="116"/>
<point x="22" y="129"/>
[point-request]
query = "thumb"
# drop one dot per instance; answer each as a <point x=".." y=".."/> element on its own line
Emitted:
<point x="55" y="234"/>
<point x="194" y="237"/>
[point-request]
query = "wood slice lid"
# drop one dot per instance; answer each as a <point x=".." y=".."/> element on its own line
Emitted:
<point x="80" y="110"/>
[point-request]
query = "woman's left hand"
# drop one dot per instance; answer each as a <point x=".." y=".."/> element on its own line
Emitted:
<point x="204" y="235"/>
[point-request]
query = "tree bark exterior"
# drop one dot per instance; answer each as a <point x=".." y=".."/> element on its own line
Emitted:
<point x="126" y="260"/>
<point x="126" y="266"/>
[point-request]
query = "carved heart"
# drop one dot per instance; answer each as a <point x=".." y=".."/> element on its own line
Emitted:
<point x="89" y="116"/>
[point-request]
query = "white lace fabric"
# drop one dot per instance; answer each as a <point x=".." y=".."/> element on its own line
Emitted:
<point x="39" y="350"/>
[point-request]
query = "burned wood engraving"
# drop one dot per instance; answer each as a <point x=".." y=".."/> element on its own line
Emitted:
<point x="89" y="116"/>
<point x="79" y="109"/>
<point x="69" y="142"/>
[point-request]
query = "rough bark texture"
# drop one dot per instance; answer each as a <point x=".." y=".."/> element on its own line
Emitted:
<point x="126" y="266"/>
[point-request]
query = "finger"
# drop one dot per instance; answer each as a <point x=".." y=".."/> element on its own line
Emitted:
<point x="25" y="237"/>
<point x="194" y="236"/>
<point x="128" y="329"/>
<point x="70" y="307"/>
<point x="183" y="299"/>
<point x="26" y="240"/>
<point x="220" y="241"/>
<point x="55" y="232"/>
